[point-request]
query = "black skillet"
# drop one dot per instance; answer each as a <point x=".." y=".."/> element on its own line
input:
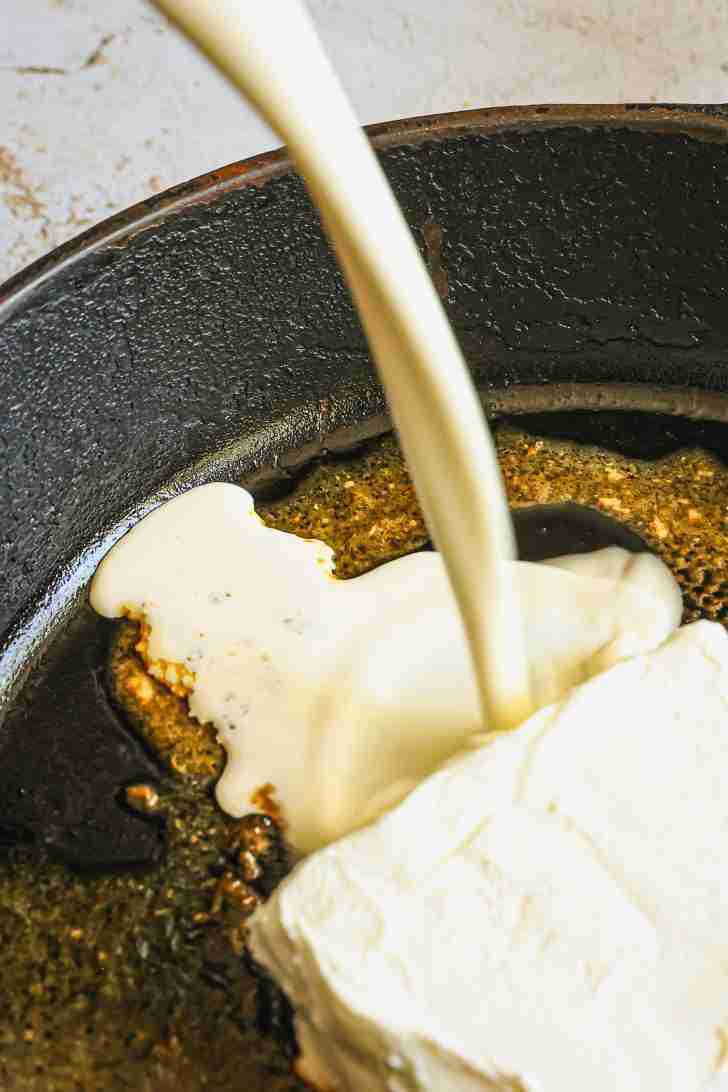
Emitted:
<point x="582" y="254"/>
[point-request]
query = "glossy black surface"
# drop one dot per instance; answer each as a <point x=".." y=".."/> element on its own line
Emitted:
<point x="544" y="531"/>
<point x="65" y="757"/>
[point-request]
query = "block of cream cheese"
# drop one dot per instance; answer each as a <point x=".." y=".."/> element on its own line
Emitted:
<point x="344" y="694"/>
<point x="546" y="913"/>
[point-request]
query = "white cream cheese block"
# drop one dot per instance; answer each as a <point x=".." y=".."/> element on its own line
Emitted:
<point x="546" y="913"/>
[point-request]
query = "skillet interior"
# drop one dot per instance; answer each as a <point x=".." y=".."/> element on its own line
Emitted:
<point x="215" y="340"/>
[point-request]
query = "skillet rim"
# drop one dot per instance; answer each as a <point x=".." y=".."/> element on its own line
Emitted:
<point x="708" y="122"/>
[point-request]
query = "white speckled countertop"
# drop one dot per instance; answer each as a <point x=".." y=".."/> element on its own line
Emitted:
<point x="105" y="104"/>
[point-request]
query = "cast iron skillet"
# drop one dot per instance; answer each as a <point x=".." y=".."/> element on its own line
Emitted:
<point x="582" y="254"/>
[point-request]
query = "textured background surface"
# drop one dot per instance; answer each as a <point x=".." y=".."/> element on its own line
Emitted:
<point x="103" y="104"/>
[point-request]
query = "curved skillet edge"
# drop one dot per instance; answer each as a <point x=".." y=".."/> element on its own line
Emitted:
<point x="706" y="121"/>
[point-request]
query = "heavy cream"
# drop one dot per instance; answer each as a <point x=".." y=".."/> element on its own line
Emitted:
<point x="547" y="913"/>
<point x="344" y="695"/>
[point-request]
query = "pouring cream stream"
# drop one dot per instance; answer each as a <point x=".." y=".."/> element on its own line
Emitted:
<point x="271" y="52"/>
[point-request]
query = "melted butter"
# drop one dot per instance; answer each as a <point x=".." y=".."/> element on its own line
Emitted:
<point x="343" y="695"/>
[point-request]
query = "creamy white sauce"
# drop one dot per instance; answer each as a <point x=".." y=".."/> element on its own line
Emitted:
<point x="547" y="913"/>
<point x="344" y="694"/>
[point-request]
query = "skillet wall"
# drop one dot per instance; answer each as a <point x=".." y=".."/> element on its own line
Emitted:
<point x="574" y="252"/>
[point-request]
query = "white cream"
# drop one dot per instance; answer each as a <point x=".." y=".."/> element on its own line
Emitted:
<point x="547" y="913"/>
<point x="345" y="694"/>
